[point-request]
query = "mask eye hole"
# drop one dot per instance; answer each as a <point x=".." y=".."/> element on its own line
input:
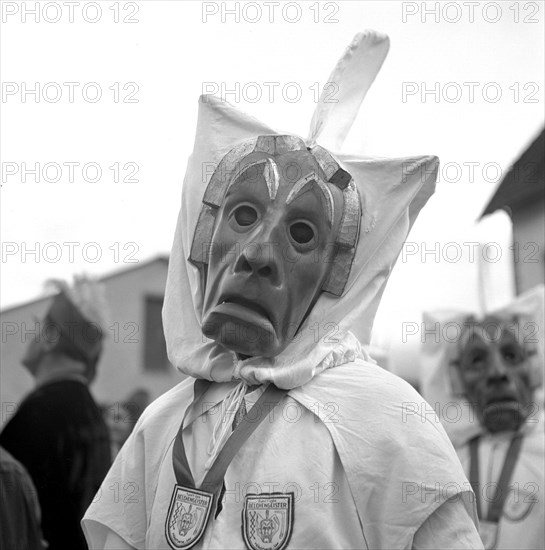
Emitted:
<point x="474" y="360"/>
<point x="510" y="354"/>
<point x="301" y="232"/>
<point x="245" y="215"/>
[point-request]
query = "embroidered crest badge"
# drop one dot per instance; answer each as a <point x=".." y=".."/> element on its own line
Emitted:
<point x="267" y="520"/>
<point x="187" y="517"/>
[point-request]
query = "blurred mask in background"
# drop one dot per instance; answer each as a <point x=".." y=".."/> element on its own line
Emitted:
<point x="495" y="371"/>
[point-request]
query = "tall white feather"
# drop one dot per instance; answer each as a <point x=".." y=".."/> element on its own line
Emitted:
<point x="346" y="88"/>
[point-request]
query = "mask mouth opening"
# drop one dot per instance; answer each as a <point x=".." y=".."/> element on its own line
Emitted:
<point x="248" y="304"/>
<point x="504" y="398"/>
<point x="501" y="399"/>
<point x="504" y="415"/>
<point x="494" y="405"/>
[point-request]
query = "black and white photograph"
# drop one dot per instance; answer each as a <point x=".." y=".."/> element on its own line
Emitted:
<point x="272" y="275"/>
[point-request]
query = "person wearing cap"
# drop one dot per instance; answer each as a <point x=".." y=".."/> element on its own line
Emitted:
<point x="58" y="433"/>
<point x="484" y="376"/>
<point x="286" y="434"/>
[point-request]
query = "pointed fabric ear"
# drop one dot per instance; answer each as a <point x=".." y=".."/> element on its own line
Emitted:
<point x="440" y="382"/>
<point x="346" y="88"/>
<point x="390" y="189"/>
<point x="463" y="333"/>
<point x="530" y="310"/>
<point x="392" y="192"/>
<point x="441" y="336"/>
<point x="457" y="387"/>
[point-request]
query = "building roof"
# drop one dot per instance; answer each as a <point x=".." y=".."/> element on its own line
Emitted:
<point x="525" y="180"/>
<point x="161" y="258"/>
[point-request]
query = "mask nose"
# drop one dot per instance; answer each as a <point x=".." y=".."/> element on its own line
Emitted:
<point x="498" y="371"/>
<point x="260" y="256"/>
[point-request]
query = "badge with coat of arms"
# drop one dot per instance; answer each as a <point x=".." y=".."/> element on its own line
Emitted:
<point x="267" y="520"/>
<point x="187" y="517"/>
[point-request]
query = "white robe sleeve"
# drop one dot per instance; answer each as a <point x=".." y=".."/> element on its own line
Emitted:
<point x="104" y="539"/>
<point x="450" y="526"/>
<point x="120" y="506"/>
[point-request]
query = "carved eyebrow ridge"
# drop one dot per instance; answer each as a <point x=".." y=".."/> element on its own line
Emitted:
<point x="270" y="173"/>
<point x="313" y="179"/>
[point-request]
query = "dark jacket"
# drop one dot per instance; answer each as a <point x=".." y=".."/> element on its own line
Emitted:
<point x="59" y="435"/>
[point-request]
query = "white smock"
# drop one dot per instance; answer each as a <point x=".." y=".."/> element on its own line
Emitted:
<point x="363" y="474"/>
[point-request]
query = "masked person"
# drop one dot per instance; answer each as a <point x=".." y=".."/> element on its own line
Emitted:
<point x="485" y="378"/>
<point x="287" y="435"/>
<point x="58" y="433"/>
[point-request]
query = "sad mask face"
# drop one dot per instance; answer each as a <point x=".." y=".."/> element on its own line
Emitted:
<point x="273" y="244"/>
<point x="496" y="374"/>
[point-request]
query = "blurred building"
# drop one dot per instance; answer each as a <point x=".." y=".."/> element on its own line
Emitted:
<point x="521" y="194"/>
<point x="134" y="360"/>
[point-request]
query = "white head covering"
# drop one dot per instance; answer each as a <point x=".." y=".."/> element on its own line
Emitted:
<point x="392" y="193"/>
<point x="440" y="384"/>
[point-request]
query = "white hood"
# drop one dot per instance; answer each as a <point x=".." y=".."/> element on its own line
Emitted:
<point x="338" y="328"/>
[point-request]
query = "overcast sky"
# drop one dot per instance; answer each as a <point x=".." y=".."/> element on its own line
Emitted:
<point x="482" y="66"/>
